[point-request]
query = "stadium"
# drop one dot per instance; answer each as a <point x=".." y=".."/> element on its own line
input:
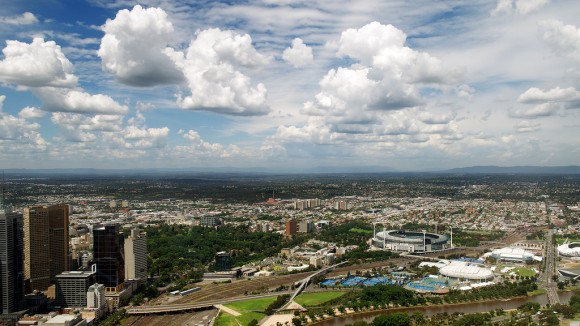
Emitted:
<point x="410" y="241"/>
<point x="570" y="249"/>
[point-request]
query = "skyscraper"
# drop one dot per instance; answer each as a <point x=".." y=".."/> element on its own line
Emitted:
<point x="46" y="244"/>
<point x="291" y="227"/>
<point x="11" y="261"/>
<point x="108" y="255"/>
<point x="136" y="255"/>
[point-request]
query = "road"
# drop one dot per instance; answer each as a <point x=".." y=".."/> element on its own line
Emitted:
<point x="550" y="269"/>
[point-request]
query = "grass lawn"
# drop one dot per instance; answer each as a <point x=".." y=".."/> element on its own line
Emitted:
<point x="316" y="298"/>
<point x="251" y="305"/>
<point x="573" y="288"/>
<point x="536" y="292"/>
<point x="225" y="319"/>
<point x="357" y="230"/>
<point x="570" y="240"/>
<point x="522" y="271"/>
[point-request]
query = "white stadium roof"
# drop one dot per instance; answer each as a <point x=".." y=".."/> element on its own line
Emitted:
<point x="511" y="253"/>
<point x="466" y="271"/>
<point x="570" y="249"/>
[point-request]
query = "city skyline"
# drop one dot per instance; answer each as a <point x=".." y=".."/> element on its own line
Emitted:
<point x="289" y="84"/>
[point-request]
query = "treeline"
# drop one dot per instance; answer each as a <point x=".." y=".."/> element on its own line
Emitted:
<point x="496" y="291"/>
<point x="341" y="234"/>
<point x="189" y="250"/>
<point x="361" y="254"/>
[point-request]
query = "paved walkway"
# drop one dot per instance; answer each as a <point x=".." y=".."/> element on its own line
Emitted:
<point x="228" y="310"/>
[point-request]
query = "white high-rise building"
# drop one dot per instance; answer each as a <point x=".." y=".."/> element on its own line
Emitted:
<point x="136" y="255"/>
<point x="96" y="296"/>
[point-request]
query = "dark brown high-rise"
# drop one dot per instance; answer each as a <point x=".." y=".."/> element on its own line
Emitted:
<point x="46" y="245"/>
<point x="291" y="227"/>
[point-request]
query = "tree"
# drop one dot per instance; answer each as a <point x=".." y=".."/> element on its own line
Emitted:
<point x="566" y="310"/>
<point x="296" y="321"/>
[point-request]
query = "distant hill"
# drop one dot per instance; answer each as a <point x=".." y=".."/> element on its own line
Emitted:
<point x="200" y="170"/>
<point x="350" y="169"/>
<point x="491" y="169"/>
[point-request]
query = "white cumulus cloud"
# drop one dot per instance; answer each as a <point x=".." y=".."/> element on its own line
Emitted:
<point x="133" y="44"/>
<point x="36" y="64"/>
<point x="537" y="111"/>
<point x="30" y="113"/>
<point x="78" y="101"/>
<point x="216" y="84"/>
<point x="26" y="18"/>
<point x="19" y="136"/>
<point x="389" y="74"/>
<point x="299" y="55"/>
<point x="201" y="149"/>
<point x="563" y="39"/>
<point x="557" y="94"/>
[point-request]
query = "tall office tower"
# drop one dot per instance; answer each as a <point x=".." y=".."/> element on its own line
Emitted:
<point x="11" y="261"/>
<point x="136" y="255"/>
<point x="46" y="244"/>
<point x="291" y="227"/>
<point x="108" y="255"/>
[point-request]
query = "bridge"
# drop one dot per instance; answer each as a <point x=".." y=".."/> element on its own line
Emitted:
<point x="304" y="283"/>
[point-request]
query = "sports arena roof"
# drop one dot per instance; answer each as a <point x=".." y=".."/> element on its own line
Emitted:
<point x="570" y="249"/>
<point x="514" y="254"/>
<point x="466" y="270"/>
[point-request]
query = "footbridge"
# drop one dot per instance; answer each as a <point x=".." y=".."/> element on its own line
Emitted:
<point x="304" y="283"/>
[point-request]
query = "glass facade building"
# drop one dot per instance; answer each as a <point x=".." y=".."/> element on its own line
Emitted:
<point x="108" y="256"/>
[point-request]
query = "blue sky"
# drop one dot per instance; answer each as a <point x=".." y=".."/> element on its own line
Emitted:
<point x="280" y="84"/>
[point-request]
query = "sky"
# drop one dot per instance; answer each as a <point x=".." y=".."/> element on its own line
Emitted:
<point x="289" y="84"/>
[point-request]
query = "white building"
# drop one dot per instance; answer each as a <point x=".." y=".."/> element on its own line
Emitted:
<point x="513" y="254"/>
<point x="456" y="269"/>
<point x="136" y="255"/>
<point x="96" y="296"/>
<point x="459" y="269"/>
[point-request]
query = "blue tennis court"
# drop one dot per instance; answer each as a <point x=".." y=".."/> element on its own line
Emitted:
<point x="353" y="281"/>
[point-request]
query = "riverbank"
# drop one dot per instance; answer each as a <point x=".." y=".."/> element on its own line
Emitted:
<point x="464" y="307"/>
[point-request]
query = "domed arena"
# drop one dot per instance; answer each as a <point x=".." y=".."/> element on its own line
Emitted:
<point x="570" y="249"/>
